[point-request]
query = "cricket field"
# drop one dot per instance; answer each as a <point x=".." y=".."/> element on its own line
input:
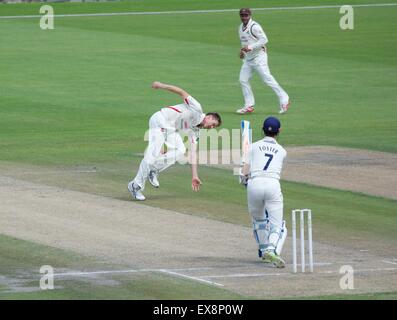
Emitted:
<point x="74" y="108"/>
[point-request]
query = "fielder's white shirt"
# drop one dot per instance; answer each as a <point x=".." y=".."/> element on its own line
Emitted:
<point x="253" y="36"/>
<point x="185" y="117"/>
<point x="266" y="158"/>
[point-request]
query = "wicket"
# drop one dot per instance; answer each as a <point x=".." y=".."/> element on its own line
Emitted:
<point x="302" y="239"/>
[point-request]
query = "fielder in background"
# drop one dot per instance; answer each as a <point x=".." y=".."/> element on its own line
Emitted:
<point x="164" y="128"/>
<point x="265" y="199"/>
<point x="254" y="54"/>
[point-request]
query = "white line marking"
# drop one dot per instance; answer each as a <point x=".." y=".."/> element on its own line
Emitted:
<point x="318" y="264"/>
<point x="242" y="275"/>
<point x="202" y="278"/>
<point x="167" y="271"/>
<point x="190" y="269"/>
<point x="135" y="13"/>
<point x="327" y="272"/>
<point x="385" y="261"/>
<point x="246" y="275"/>
<point x="191" y="278"/>
<point x="88" y="273"/>
<point x="104" y="272"/>
<point x="374" y="270"/>
<point x="58" y="172"/>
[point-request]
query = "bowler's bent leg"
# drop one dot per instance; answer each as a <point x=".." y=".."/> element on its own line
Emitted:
<point x="176" y="151"/>
<point x="153" y="151"/>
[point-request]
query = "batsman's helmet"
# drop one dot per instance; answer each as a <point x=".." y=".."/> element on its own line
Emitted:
<point x="271" y="125"/>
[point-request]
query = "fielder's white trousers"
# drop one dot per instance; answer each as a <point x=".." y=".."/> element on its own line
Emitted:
<point x="259" y="65"/>
<point x="160" y="133"/>
<point x="265" y="200"/>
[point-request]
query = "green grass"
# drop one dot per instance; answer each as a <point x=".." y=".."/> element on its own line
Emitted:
<point x="84" y="93"/>
<point x="21" y="262"/>
<point x="160" y="5"/>
<point x="135" y="287"/>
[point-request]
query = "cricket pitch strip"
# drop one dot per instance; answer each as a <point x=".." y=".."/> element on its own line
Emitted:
<point x="156" y="240"/>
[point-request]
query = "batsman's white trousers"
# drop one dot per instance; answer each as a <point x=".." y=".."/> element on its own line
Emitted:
<point x="259" y="64"/>
<point x="265" y="200"/>
<point x="160" y="133"/>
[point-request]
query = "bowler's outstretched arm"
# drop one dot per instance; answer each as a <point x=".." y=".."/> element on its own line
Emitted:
<point x="171" y="88"/>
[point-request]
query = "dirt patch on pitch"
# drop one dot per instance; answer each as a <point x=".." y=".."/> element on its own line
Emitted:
<point x="369" y="172"/>
<point x="355" y="170"/>
<point x="199" y="249"/>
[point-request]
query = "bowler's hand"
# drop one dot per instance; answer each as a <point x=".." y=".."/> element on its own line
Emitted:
<point x="196" y="182"/>
<point x="242" y="54"/>
<point x="157" y="85"/>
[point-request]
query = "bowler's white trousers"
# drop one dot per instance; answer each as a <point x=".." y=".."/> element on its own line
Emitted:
<point x="259" y="64"/>
<point x="160" y="133"/>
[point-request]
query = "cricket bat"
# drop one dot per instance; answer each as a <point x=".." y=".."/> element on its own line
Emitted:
<point x="246" y="139"/>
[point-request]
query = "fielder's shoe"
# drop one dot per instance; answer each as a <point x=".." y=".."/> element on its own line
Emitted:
<point x="135" y="191"/>
<point x="273" y="258"/>
<point x="153" y="179"/>
<point x="284" y="107"/>
<point x="245" y="110"/>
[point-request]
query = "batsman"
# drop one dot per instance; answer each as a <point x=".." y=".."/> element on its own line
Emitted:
<point x="261" y="174"/>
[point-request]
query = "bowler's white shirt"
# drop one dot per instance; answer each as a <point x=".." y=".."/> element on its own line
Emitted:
<point x="266" y="153"/>
<point x="253" y="36"/>
<point x="185" y="117"/>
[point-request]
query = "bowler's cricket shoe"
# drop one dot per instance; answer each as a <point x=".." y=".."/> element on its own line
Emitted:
<point x="153" y="179"/>
<point x="245" y="110"/>
<point x="135" y="191"/>
<point x="284" y="108"/>
<point x="273" y="258"/>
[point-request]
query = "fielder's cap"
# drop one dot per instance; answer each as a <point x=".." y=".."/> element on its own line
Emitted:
<point x="244" y="11"/>
<point x="271" y="125"/>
